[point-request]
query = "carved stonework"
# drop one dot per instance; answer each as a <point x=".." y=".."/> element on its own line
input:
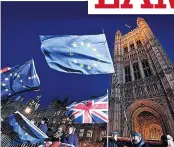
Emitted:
<point x="148" y="125"/>
<point x="152" y="79"/>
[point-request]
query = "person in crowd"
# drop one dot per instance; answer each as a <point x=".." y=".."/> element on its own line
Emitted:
<point x="59" y="135"/>
<point x="71" y="137"/>
<point x="167" y="141"/>
<point x="137" y="140"/>
<point x="113" y="142"/>
<point x="44" y="125"/>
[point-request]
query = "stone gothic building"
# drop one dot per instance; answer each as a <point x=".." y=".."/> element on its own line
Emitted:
<point x="142" y="90"/>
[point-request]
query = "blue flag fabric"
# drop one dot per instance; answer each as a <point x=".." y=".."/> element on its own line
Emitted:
<point x="85" y="54"/>
<point x="27" y="132"/>
<point x="18" y="79"/>
<point x="17" y="98"/>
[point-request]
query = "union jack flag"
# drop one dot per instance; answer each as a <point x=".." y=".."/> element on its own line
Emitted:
<point x="89" y="111"/>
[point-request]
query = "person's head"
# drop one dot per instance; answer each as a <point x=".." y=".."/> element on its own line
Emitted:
<point x="71" y="129"/>
<point x="136" y="138"/>
<point x="167" y="141"/>
<point x="44" y="121"/>
<point x="115" y="135"/>
<point x="60" y="129"/>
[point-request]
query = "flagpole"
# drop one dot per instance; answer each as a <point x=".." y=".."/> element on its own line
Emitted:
<point x="108" y="120"/>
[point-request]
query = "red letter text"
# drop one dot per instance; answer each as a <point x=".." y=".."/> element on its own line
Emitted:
<point x="126" y="4"/>
<point x="102" y="4"/>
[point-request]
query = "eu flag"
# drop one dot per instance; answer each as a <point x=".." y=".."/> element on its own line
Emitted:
<point x="25" y="130"/>
<point x="85" y="54"/>
<point x="18" y="79"/>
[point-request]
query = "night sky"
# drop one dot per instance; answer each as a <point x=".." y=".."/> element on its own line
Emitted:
<point x="23" y="22"/>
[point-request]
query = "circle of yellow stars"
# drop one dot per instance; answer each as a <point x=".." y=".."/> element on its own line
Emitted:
<point x="88" y="46"/>
<point x="5" y="86"/>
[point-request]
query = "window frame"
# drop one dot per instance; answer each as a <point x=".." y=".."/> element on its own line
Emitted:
<point x="146" y="68"/>
<point x="139" y="43"/>
<point x="136" y="69"/>
<point x="132" y="48"/>
<point x="128" y="77"/>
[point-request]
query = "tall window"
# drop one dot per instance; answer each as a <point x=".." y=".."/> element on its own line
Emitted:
<point x="125" y="49"/>
<point x="139" y="44"/>
<point x="127" y="74"/>
<point x="136" y="71"/>
<point x="132" y="47"/>
<point x="146" y="68"/>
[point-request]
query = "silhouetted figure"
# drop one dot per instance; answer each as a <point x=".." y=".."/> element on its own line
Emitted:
<point x="59" y="135"/>
<point x="113" y="142"/>
<point x="137" y="141"/>
<point x="44" y="125"/>
<point x="71" y="137"/>
<point x="167" y="141"/>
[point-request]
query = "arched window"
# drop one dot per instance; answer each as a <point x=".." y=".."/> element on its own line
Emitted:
<point x="139" y="44"/>
<point x="132" y="47"/>
<point x="125" y="48"/>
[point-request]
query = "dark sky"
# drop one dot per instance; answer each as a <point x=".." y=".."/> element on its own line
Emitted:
<point x="23" y="22"/>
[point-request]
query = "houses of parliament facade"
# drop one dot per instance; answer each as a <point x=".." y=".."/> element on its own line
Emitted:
<point x="142" y="91"/>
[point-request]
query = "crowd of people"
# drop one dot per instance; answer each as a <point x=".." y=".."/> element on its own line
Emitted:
<point x="137" y="141"/>
<point x="59" y="135"/>
<point x="69" y="137"/>
<point x="72" y="139"/>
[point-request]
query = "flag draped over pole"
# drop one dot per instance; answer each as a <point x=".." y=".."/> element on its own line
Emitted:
<point x="27" y="131"/>
<point x="85" y="54"/>
<point x="90" y="111"/>
<point x="18" y="79"/>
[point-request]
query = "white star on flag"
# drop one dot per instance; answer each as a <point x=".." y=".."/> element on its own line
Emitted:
<point x="18" y="76"/>
<point x="10" y="74"/>
<point x="94" y="49"/>
<point x="15" y="74"/>
<point x="95" y="64"/>
<point x="21" y="81"/>
<point x="29" y="78"/>
<point x="89" y="45"/>
<point x="81" y="43"/>
<point x="75" y="61"/>
<point x="74" y="44"/>
<point x="6" y="79"/>
<point x="6" y="90"/>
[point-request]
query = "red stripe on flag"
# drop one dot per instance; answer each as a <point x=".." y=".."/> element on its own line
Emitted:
<point x="86" y="117"/>
<point x="5" y="69"/>
<point x="100" y="106"/>
<point x="104" y="118"/>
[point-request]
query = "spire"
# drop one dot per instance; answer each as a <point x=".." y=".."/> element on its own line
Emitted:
<point x="65" y="101"/>
<point x="140" y="21"/>
<point x="118" y="33"/>
<point x="117" y="50"/>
